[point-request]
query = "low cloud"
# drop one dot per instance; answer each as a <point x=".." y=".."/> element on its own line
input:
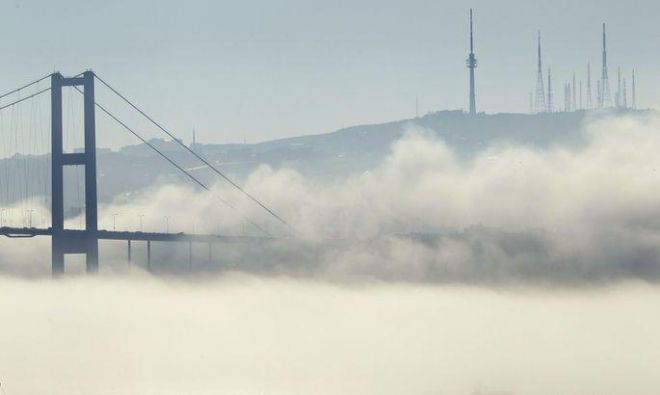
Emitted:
<point x="350" y="303"/>
<point x="249" y="335"/>
<point x="558" y="215"/>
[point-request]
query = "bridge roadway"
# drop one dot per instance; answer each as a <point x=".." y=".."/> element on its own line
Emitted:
<point x="75" y="240"/>
<point x="130" y="236"/>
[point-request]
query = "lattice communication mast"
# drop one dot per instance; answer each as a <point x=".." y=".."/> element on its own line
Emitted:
<point x="605" y="99"/>
<point x="551" y="100"/>
<point x="539" y="104"/>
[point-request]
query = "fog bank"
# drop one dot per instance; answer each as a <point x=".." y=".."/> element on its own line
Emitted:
<point x="548" y="261"/>
<point x="245" y="335"/>
<point x="557" y="216"/>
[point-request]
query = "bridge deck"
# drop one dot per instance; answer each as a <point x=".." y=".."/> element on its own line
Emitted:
<point x="132" y="236"/>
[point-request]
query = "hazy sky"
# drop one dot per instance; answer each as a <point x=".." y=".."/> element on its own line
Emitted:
<point x="264" y="69"/>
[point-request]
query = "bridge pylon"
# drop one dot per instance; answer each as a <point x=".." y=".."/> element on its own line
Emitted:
<point x="64" y="241"/>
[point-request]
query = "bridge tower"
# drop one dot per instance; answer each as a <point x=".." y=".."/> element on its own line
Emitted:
<point x="67" y="241"/>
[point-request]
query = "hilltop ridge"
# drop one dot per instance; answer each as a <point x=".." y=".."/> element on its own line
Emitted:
<point x="336" y="154"/>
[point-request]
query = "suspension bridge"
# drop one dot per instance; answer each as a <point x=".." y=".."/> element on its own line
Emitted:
<point x="34" y="186"/>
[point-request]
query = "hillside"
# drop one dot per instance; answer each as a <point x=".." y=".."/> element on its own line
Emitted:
<point x="324" y="156"/>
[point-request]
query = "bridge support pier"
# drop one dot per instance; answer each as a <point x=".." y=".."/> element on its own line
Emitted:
<point x="63" y="241"/>
<point x="190" y="255"/>
<point x="149" y="256"/>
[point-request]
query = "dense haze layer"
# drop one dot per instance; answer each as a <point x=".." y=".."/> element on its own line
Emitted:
<point x="254" y="336"/>
<point x="522" y="271"/>
<point x="513" y="213"/>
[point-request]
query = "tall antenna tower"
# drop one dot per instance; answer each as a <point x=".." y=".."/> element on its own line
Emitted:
<point x="472" y="64"/>
<point x="599" y="96"/>
<point x="574" y="101"/>
<point x="539" y="105"/>
<point x="551" y="104"/>
<point x="625" y="94"/>
<point x="617" y="98"/>
<point x="634" y="98"/>
<point x="605" y="96"/>
<point x="581" y="107"/>
<point x="567" y="97"/>
<point x="589" y="104"/>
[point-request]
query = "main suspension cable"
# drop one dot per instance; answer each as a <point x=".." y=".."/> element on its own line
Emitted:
<point x="24" y="98"/>
<point x="213" y="168"/>
<point x="25" y="86"/>
<point x="198" y="182"/>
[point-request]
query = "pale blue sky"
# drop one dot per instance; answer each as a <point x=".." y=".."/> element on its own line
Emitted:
<point x="264" y="69"/>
